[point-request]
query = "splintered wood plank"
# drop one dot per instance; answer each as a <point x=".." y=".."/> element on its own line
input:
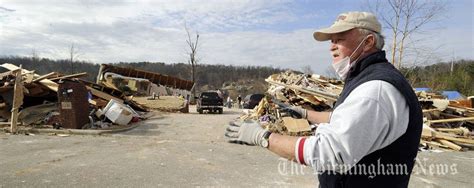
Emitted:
<point x="48" y="83"/>
<point x="296" y="125"/>
<point x="451" y="120"/>
<point x="43" y="77"/>
<point x="70" y="76"/>
<point x="449" y="144"/>
<point x="17" y="100"/>
<point x="103" y="95"/>
<point x="454" y="139"/>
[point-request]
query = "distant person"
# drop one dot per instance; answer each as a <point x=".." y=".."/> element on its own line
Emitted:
<point x="229" y="102"/>
<point x="239" y="100"/>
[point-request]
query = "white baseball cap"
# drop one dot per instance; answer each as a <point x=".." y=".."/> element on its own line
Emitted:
<point x="348" y="21"/>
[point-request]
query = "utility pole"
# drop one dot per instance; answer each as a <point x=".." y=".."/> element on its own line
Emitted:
<point x="452" y="64"/>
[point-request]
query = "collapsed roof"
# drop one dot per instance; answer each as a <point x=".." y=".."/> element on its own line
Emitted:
<point x="156" y="78"/>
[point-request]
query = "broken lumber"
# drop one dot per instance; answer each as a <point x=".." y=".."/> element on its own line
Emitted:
<point x="449" y="144"/>
<point x="329" y="96"/>
<point x="70" y="76"/>
<point x="17" y="100"/>
<point x="459" y="131"/>
<point x="48" y="83"/>
<point x="296" y="125"/>
<point x="9" y="123"/>
<point x="430" y="110"/>
<point x="454" y="139"/>
<point x="103" y="95"/>
<point x="43" y="77"/>
<point x="451" y="120"/>
<point x="433" y="144"/>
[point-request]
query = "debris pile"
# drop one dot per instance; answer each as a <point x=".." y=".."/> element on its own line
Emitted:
<point x="54" y="100"/>
<point x="150" y="90"/>
<point x="448" y="124"/>
<point x="287" y="89"/>
<point x="309" y="91"/>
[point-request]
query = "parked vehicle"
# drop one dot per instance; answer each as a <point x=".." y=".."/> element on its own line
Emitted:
<point x="209" y="101"/>
<point x="252" y="100"/>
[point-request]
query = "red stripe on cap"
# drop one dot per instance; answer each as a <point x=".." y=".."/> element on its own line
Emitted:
<point x="300" y="151"/>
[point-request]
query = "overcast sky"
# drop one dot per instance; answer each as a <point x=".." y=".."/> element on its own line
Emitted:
<point x="274" y="33"/>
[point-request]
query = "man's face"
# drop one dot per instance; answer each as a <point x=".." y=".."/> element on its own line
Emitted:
<point x="343" y="44"/>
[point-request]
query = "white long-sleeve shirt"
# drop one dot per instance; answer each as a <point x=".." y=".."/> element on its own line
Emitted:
<point x="374" y="115"/>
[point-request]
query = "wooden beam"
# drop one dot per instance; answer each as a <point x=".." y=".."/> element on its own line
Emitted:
<point x="434" y="144"/>
<point x="453" y="139"/>
<point x="17" y="100"/>
<point x="449" y="144"/>
<point x="463" y="109"/>
<point x="99" y="74"/>
<point x="43" y="77"/>
<point x="431" y="110"/>
<point x="103" y="95"/>
<point x="459" y="131"/>
<point x="70" y="76"/>
<point x="451" y="120"/>
<point x="7" y="125"/>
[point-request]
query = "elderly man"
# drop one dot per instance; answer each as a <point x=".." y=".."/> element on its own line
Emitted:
<point x="371" y="137"/>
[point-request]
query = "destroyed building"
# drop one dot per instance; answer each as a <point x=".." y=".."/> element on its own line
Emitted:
<point x="143" y="81"/>
<point x="55" y="100"/>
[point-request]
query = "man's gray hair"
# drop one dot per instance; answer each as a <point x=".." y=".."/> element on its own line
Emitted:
<point x="379" y="39"/>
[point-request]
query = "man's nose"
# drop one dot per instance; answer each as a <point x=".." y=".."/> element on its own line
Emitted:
<point x="333" y="47"/>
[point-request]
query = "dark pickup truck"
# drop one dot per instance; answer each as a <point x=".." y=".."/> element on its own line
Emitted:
<point x="209" y="101"/>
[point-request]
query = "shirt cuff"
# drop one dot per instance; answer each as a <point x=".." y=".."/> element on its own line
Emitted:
<point x="299" y="150"/>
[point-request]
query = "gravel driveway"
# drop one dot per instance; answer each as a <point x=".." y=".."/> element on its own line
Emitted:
<point x="173" y="149"/>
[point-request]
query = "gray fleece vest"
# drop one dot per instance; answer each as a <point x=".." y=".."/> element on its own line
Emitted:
<point x="401" y="153"/>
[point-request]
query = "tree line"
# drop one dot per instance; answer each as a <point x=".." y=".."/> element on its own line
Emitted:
<point x="211" y="76"/>
<point x="457" y="75"/>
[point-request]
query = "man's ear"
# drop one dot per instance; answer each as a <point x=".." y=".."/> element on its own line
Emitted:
<point x="369" y="43"/>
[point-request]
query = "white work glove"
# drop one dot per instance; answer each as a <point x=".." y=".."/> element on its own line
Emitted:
<point x="295" y="111"/>
<point x="247" y="132"/>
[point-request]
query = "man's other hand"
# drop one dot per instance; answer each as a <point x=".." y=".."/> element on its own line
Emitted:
<point x="245" y="132"/>
<point x="295" y="112"/>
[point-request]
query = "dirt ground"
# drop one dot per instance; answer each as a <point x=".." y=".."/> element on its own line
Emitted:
<point x="185" y="150"/>
<point x="163" y="103"/>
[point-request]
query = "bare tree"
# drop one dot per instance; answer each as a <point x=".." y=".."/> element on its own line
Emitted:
<point x="192" y="51"/>
<point x="306" y="69"/>
<point x="34" y="56"/>
<point x="404" y="18"/>
<point x="73" y="54"/>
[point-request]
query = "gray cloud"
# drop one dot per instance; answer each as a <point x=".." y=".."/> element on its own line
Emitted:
<point x="112" y="31"/>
